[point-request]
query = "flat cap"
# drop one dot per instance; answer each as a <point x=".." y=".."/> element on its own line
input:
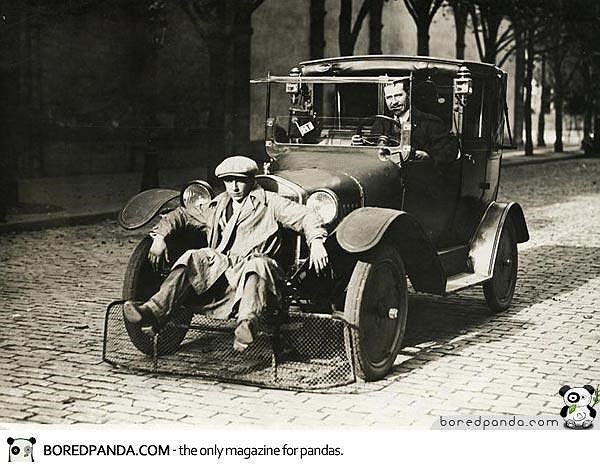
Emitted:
<point x="236" y="166"/>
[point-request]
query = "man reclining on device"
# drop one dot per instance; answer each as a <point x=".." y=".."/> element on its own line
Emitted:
<point x="243" y="228"/>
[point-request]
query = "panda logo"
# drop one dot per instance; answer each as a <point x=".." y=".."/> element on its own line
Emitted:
<point x="578" y="411"/>
<point x="20" y="450"/>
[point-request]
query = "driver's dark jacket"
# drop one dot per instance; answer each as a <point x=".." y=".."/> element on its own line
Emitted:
<point x="429" y="133"/>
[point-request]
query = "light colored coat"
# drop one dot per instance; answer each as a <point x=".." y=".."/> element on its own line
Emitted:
<point x="247" y="243"/>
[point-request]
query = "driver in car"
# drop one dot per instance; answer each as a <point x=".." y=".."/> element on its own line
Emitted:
<point x="430" y="137"/>
<point x="243" y="236"/>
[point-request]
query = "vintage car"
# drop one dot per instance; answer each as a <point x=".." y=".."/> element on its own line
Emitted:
<point x="392" y="217"/>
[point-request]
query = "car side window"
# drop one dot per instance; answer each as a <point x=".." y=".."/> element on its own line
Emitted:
<point x="482" y="112"/>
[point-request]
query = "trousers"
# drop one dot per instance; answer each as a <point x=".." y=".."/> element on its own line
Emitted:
<point x="253" y="303"/>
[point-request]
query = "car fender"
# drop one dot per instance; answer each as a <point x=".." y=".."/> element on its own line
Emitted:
<point x="366" y="227"/>
<point x="142" y="207"/>
<point x="484" y="243"/>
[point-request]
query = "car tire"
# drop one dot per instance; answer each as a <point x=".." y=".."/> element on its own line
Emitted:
<point x="499" y="290"/>
<point x="377" y="301"/>
<point x="141" y="282"/>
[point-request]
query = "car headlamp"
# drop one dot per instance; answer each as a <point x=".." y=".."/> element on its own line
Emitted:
<point x="196" y="193"/>
<point x="324" y="203"/>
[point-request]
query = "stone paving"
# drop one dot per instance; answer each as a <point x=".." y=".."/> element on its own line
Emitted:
<point x="457" y="357"/>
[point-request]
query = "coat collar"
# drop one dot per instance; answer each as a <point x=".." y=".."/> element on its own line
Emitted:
<point x="257" y="196"/>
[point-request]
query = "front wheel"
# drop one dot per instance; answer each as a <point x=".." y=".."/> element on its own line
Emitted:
<point x="141" y="282"/>
<point x="377" y="300"/>
<point x="500" y="289"/>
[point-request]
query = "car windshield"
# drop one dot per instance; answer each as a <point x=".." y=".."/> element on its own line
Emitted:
<point x="338" y="114"/>
<point x="350" y="111"/>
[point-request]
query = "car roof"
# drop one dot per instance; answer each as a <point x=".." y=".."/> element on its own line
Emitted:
<point x="392" y="64"/>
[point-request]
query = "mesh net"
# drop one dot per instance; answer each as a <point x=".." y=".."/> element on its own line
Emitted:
<point x="306" y="352"/>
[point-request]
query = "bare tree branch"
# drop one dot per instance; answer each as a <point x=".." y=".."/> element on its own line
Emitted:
<point x="475" y="21"/>
<point x="255" y="5"/>
<point x="189" y="9"/>
<point x="574" y="69"/>
<point x="410" y="6"/>
<point x="435" y="6"/>
<point x="506" y="55"/>
<point x="507" y="36"/>
<point x="362" y="14"/>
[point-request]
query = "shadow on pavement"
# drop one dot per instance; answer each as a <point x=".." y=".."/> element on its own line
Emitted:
<point x="435" y="324"/>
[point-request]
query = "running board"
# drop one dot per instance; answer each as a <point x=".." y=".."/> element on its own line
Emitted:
<point x="464" y="280"/>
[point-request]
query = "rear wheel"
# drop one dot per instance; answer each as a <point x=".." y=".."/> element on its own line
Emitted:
<point x="377" y="300"/>
<point x="500" y="289"/>
<point x="141" y="282"/>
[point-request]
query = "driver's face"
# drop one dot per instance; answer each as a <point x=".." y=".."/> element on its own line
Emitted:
<point x="396" y="98"/>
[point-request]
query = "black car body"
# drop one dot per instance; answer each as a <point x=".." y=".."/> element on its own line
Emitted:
<point x="390" y="216"/>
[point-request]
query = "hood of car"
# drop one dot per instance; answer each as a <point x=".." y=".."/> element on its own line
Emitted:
<point x="356" y="177"/>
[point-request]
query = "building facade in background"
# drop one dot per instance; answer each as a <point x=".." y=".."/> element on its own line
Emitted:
<point x="90" y="86"/>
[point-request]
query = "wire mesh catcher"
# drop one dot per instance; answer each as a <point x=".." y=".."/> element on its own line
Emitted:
<point x="303" y="352"/>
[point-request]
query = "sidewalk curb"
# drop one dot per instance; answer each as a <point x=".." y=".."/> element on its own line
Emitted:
<point x="60" y="221"/>
<point x="532" y="160"/>
<point x="93" y="217"/>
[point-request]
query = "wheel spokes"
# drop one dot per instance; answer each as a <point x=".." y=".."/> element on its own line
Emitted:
<point x="382" y="306"/>
<point x="505" y="266"/>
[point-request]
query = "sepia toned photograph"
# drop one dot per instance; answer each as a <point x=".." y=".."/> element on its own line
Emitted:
<point x="299" y="215"/>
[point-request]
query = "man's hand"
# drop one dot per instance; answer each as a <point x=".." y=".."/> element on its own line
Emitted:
<point x="158" y="254"/>
<point x="421" y="155"/>
<point x="318" y="256"/>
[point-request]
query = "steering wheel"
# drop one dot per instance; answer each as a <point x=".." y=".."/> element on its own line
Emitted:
<point x="391" y="141"/>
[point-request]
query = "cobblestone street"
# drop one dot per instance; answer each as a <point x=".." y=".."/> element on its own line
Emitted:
<point x="457" y="357"/>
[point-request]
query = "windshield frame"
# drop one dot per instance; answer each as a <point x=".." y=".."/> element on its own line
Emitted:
<point x="299" y="80"/>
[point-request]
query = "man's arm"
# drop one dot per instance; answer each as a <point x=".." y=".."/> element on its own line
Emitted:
<point x="158" y="254"/>
<point x="319" y="259"/>
<point x="443" y="146"/>
<point x="302" y="219"/>
<point x="297" y="217"/>
<point x="432" y="138"/>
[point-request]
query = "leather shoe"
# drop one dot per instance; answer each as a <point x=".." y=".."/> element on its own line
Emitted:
<point x="243" y="336"/>
<point x="139" y="313"/>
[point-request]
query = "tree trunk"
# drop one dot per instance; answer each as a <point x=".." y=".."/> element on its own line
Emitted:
<point x="587" y="120"/>
<point x="317" y="29"/>
<point x="594" y="77"/>
<point x="541" y="142"/>
<point x="11" y="119"/>
<point x="589" y="108"/>
<point x="150" y="178"/>
<point x="587" y="129"/>
<point x="216" y="110"/>
<point x="37" y="105"/>
<point x="375" y="26"/>
<point x="541" y="129"/>
<point x="491" y="47"/>
<point x="423" y="37"/>
<point x="460" y="24"/>
<point x="556" y="63"/>
<point x="528" y="90"/>
<point x="519" y="79"/>
<point x="345" y="28"/>
<point x="242" y="40"/>
<point x="317" y="43"/>
<point x="227" y="30"/>
<point x="558" y="110"/>
<point x="25" y="88"/>
<point x="595" y="146"/>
